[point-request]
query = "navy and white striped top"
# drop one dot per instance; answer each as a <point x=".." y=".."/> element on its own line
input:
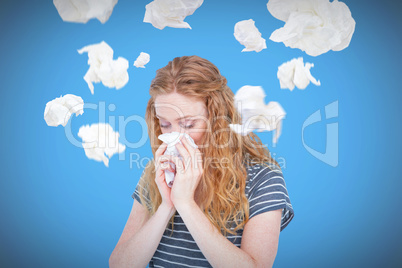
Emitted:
<point x="265" y="191"/>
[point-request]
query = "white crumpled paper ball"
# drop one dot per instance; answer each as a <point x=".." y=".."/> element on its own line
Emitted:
<point x="248" y="35"/>
<point x="295" y="73"/>
<point x="82" y="11"/>
<point x="171" y="139"/>
<point x="170" y="13"/>
<point x="255" y="114"/>
<point x="58" y="111"/>
<point x="314" y="26"/>
<point x="102" y="67"/>
<point x="142" y="60"/>
<point x="100" y="140"/>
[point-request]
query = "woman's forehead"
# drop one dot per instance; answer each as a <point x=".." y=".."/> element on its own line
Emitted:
<point x="175" y="98"/>
<point x="173" y="111"/>
<point x="179" y="104"/>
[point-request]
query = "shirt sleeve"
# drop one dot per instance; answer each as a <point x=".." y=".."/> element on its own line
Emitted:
<point x="138" y="189"/>
<point x="268" y="192"/>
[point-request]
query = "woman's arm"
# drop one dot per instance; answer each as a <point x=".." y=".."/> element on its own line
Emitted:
<point x="140" y="237"/>
<point x="260" y="235"/>
<point x="259" y="241"/>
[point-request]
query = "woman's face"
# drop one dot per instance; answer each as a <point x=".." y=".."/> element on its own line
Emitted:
<point x="178" y="113"/>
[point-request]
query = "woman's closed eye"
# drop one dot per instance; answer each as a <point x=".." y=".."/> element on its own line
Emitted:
<point x="188" y="126"/>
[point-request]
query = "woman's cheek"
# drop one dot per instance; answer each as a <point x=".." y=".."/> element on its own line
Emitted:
<point x="196" y="137"/>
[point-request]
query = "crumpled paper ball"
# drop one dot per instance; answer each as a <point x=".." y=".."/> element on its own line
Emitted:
<point x="83" y="10"/>
<point x="102" y="67"/>
<point x="99" y="141"/>
<point x="59" y="110"/>
<point x="314" y="26"/>
<point x="142" y="60"/>
<point x="171" y="139"/>
<point x="255" y="114"/>
<point x="295" y="73"/>
<point x="170" y="13"/>
<point x="248" y="35"/>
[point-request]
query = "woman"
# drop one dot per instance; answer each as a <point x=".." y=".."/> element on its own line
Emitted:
<point x="228" y="202"/>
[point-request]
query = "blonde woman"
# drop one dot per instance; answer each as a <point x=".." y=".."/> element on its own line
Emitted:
<point x="228" y="203"/>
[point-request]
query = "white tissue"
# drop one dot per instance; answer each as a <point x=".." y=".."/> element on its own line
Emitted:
<point x="100" y="139"/>
<point x="248" y="35"/>
<point x="142" y="59"/>
<point x="59" y="110"/>
<point x="170" y="13"/>
<point x="102" y="67"/>
<point x="295" y="73"/>
<point x="314" y="26"/>
<point x="83" y="10"/>
<point x="171" y="139"/>
<point x="255" y="114"/>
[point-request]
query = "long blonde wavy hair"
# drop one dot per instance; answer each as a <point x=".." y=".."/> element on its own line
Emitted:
<point x="222" y="185"/>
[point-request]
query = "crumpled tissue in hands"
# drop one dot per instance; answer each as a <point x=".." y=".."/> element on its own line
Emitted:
<point x="142" y="60"/>
<point x="248" y="35"/>
<point x="255" y="114"/>
<point x="59" y="110"/>
<point x="100" y="139"/>
<point x="102" y="67"/>
<point x="314" y="26"/>
<point x="170" y="13"/>
<point x="171" y="139"/>
<point x="83" y="10"/>
<point x="295" y="73"/>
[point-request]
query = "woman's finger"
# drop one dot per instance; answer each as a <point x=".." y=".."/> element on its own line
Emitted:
<point x="192" y="151"/>
<point x="163" y="161"/>
<point x="199" y="160"/>
<point x="178" y="163"/>
<point x="188" y="146"/>
<point x="158" y="154"/>
<point x="185" y="154"/>
<point x="166" y="160"/>
<point x="168" y="167"/>
<point x="160" y="150"/>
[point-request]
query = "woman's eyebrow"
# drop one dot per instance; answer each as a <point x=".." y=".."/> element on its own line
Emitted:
<point x="176" y="119"/>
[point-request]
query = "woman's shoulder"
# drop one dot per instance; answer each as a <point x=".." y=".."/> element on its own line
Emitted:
<point x="262" y="171"/>
<point x="263" y="179"/>
<point x="141" y="188"/>
<point x="266" y="190"/>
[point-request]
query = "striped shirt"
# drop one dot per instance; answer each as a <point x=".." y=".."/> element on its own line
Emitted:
<point x="265" y="191"/>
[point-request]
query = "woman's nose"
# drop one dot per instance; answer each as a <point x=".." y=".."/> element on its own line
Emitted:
<point x="177" y="128"/>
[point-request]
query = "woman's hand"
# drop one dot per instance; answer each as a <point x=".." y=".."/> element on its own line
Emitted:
<point x="161" y="164"/>
<point x="188" y="173"/>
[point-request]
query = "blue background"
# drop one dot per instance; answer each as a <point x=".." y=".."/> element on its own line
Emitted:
<point x="61" y="209"/>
